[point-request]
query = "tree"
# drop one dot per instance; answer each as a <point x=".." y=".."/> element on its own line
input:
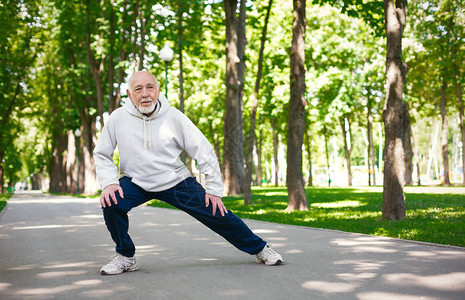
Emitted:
<point x="436" y="74"/>
<point x="394" y="115"/>
<point x="18" y="51"/>
<point x="251" y="138"/>
<point x="297" y="103"/>
<point x="445" y="152"/>
<point x="233" y="154"/>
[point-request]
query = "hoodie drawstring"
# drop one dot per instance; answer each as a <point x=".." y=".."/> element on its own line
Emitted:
<point x="145" y="134"/>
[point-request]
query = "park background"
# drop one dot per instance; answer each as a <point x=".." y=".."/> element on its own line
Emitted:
<point x="233" y="71"/>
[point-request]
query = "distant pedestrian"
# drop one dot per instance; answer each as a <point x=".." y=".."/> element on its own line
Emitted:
<point x="151" y="135"/>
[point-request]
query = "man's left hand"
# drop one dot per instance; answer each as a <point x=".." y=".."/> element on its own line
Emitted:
<point x="216" y="204"/>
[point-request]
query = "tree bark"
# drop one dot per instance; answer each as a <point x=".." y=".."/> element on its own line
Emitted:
<point x="296" y="124"/>
<point x="445" y="152"/>
<point x="233" y="154"/>
<point x="57" y="168"/>
<point x="347" y="135"/>
<point x="393" y="114"/>
<point x="251" y="138"/>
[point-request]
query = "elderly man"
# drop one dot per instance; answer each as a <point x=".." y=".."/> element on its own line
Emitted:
<point x="151" y="135"/>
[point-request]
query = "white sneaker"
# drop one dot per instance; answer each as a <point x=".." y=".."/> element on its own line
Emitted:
<point x="268" y="257"/>
<point x="118" y="264"/>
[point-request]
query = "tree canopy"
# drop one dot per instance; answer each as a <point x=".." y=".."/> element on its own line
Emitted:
<point x="65" y="65"/>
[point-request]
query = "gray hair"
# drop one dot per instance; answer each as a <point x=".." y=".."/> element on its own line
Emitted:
<point x="130" y="79"/>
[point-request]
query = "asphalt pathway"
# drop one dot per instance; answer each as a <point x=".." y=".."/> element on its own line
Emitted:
<point x="52" y="247"/>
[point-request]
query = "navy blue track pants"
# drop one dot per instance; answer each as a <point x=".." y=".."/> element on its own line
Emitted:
<point x="188" y="196"/>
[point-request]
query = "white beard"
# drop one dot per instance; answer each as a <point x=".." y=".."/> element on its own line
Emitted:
<point x="146" y="110"/>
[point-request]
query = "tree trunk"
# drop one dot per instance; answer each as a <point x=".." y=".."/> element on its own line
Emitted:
<point x="233" y="153"/>
<point x="328" y="169"/>
<point x="275" y="151"/>
<point x="432" y="151"/>
<point x="347" y="135"/>
<point x="135" y="14"/>
<point x="310" y="164"/>
<point x="71" y="164"/>
<point x="95" y="69"/>
<point x="2" y="180"/>
<point x="296" y="124"/>
<point x="458" y="89"/>
<point x="90" y="186"/>
<point x="249" y="160"/>
<point x="144" y="15"/>
<point x="251" y="138"/>
<point x="371" y="151"/>
<point x="111" y="63"/>
<point x="408" y="150"/>
<point x="3" y="120"/>
<point x="57" y="168"/>
<point x="259" y="157"/>
<point x="180" y="38"/>
<point x="393" y="114"/>
<point x="445" y="152"/>
<point x="181" y="72"/>
<point x="415" y="156"/>
<point x="115" y="95"/>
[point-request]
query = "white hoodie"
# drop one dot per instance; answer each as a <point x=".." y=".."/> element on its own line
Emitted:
<point x="150" y="147"/>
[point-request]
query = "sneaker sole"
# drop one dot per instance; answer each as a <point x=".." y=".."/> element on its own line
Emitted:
<point x="131" y="269"/>
<point x="277" y="263"/>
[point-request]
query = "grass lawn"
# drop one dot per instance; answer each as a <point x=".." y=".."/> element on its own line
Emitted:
<point x="433" y="214"/>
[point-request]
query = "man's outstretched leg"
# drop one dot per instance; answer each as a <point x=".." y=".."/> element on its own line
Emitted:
<point x="189" y="196"/>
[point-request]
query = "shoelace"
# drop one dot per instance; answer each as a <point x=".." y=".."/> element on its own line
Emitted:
<point x="268" y="252"/>
<point x="117" y="260"/>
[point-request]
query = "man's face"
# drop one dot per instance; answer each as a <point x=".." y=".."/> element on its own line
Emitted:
<point x="143" y="91"/>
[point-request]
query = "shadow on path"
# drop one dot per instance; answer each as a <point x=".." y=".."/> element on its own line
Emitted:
<point x="52" y="247"/>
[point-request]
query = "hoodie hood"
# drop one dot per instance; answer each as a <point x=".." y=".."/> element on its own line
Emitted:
<point x="162" y="106"/>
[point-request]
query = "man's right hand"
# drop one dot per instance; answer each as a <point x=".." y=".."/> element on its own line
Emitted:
<point x="108" y="194"/>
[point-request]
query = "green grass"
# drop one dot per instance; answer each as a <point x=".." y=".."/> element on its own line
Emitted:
<point x="3" y="199"/>
<point x="437" y="216"/>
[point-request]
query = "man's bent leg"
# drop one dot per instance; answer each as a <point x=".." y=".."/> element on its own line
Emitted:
<point x="189" y="196"/>
<point x="116" y="216"/>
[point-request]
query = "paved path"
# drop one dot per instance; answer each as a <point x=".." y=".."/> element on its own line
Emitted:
<point x="52" y="247"/>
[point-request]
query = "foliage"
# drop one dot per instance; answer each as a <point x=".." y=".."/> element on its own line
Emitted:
<point x="3" y="200"/>
<point x="369" y="10"/>
<point x="44" y="57"/>
<point x="436" y="216"/>
<point x="19" y="47"/>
